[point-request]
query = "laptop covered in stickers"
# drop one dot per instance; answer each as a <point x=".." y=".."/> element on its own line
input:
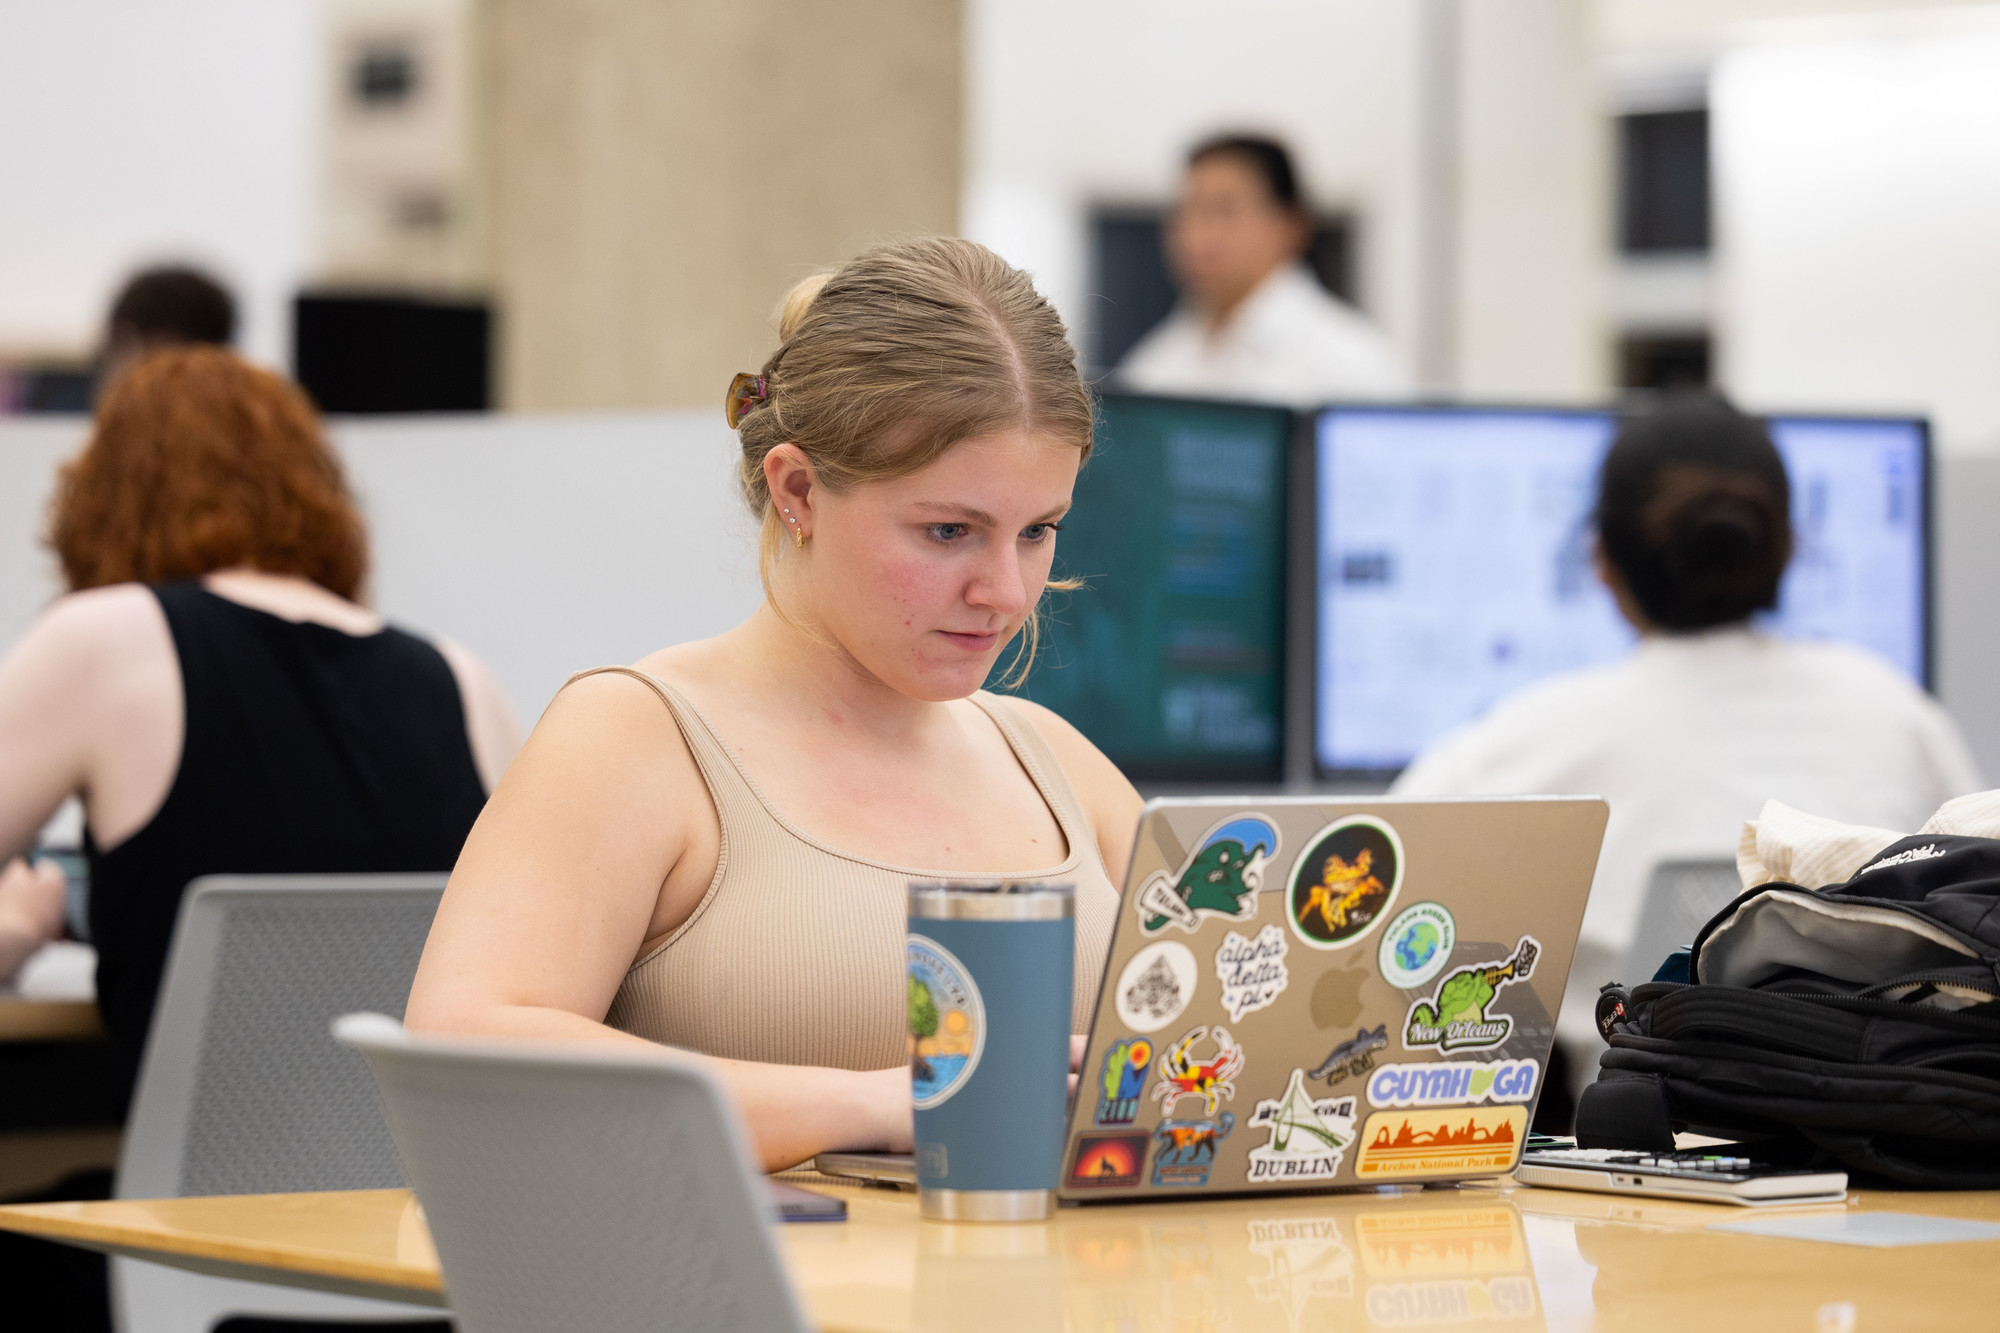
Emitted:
<point x="1306" y="993"/>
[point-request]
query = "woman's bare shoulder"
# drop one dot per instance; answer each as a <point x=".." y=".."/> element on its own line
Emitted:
<point x="1096" y="779"/>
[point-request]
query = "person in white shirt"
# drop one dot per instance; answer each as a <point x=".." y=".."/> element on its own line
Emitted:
<point x="1253" y="321"/>
<point x="1708" y="718"/>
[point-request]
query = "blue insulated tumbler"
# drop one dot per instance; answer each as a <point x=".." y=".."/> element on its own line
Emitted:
<point x="989" y="1019"/>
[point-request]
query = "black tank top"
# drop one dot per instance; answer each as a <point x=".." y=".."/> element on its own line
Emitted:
<point x="305" y="750"/>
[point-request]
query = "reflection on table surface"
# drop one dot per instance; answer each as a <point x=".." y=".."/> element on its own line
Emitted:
<point x="1479" y="1256"/>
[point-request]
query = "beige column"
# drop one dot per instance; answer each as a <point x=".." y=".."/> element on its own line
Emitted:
<point x="662" y="170"/>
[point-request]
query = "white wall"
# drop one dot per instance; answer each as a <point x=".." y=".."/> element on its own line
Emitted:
<point x="544" y="544"/>
<point x="133" y="131"/>
<point x="1858" y="192"/>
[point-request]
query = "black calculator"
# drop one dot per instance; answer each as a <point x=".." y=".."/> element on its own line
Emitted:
<point x="1722" y="1173"/>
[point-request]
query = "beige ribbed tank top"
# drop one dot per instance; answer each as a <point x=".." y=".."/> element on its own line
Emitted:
<point x="795" y="953"/>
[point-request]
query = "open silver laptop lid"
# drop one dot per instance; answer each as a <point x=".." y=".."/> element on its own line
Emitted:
<point x="1306" y="993"/>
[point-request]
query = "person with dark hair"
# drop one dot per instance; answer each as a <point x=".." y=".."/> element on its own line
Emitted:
<point x="1254" y="322"/>
<point x="1709" y="717"/>
<point x="165" y="307"/>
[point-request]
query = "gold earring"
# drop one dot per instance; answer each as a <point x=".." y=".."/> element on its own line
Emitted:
<point x="798" y="535"/>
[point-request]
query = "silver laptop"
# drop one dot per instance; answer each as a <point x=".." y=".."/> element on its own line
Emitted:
<point x="1306" y="994"/>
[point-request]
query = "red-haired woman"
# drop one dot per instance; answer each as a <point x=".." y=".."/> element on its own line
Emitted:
<point x="211" y="686"/>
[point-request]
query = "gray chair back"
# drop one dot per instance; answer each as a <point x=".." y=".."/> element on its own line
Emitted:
<point x="579" y="1188"/>
<point x="242" y="1089"/>
<point x="1680" y="898"/>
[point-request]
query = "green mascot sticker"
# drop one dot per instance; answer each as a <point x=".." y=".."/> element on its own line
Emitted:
<point x="1456" y="1017"/>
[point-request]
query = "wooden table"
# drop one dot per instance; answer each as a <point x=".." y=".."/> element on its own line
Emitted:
<point x="1499" y="1256"/>
<point x="48" y="1020"/>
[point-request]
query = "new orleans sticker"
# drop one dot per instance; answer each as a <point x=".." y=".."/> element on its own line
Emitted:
<point x="1308" y="1138"/>
<point x="1454" y="1083"/>
<point x="1356" y="1056"/>
<point x="1156" y="985"/>
<point x="1252" y="971"/>
<point x="1471" y="1140"/>
<point x="1344" y="881"/>
<point x="1220" y="878"/>
<point x="1184" y="1150"/>
<point x="1416" y="945"/>
<point x="947" y="1023"/>
<point x="1124" y="1078"/>
<point x="1185" y="1072"/>
<point x="1458" y="1016"/>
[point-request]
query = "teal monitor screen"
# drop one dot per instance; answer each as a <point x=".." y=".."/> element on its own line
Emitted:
<point x="1170" y="658"/>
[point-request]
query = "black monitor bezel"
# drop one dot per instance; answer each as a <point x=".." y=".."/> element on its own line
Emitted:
<point x="1308" y="571"/>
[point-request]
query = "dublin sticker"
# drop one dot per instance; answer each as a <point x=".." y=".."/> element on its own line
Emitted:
<point x="1156" y="985"/>
<point x="1184" y="1150"/>
<point x="1416" y="945"/>
<point x="1220" y="878"/>
<point x="947" y="1023"/>
<point x="1344" y="882"/>
<point x="1458" y="1016"/>
<point x="1252" y="971"/>
<point x="1308" y="1137"/>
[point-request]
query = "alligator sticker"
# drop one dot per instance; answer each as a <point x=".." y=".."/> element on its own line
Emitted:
<point x="947" y="1023"/>
<point x="1456" y="1017"/>
<point x="1344" y="882"/>
<point x="1125" y="1066"/>
<point x="1454" y="1083"/>
<point x="1184" y="1150"/>
<point x="1155" y="987"/>
<point x="1353" y="1057"/>
<point x="1416" y="945"/>
<point x="1308" y="1138"/>
<point x="1183" y="1074"/>
<point x="1220" y="878"/>
<point x="1107" y="1161"/>
<point x="1252" y="972"/>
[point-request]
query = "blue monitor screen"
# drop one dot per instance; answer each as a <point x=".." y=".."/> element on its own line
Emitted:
<point x="1454" y="561"/>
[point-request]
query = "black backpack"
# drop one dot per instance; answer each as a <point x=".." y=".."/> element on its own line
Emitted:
<point x="1858" y="1023"/>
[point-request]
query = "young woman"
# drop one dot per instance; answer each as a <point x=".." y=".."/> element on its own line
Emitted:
<point x="711" y="850"/>
<point x="211" y="686"/>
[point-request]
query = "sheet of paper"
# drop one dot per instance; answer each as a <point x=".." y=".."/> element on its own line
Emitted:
<point x="1874" y="1229"/>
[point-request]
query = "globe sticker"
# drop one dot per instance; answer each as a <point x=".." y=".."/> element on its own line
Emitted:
<point x="1416" y="945"/>
<point x="1155" y="987"/>
<point x="947" y="1023"/>
<point x="1344" y="882"/>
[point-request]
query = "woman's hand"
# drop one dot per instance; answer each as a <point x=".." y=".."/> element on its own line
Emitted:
<point x="1076" y="1045"/>
<point x="31" y="910"/>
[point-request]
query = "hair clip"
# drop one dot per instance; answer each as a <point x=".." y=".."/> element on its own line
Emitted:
<point x="745" y="392"/>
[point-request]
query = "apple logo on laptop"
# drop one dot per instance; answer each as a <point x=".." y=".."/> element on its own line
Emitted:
<point x="1336" y="997"/>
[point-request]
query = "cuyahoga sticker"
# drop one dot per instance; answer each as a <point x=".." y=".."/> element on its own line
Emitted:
<point x="947" y="1023"/>
<point x="1220" y="878"/>
<point x="1457" y="1016"/>
<point x="1454" y="1083"/>
<point x="1308" y="1138"/>
<point x="1472" y="1140"/>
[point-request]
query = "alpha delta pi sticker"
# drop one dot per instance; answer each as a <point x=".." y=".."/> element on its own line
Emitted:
<point x="947" y="1023"/>
<point x="1221" y="877"/>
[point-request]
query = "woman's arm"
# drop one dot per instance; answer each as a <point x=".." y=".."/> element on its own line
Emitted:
<point x="491" y="726"/>
<point x="600" y="839"/>
<point x="31" y="910"/>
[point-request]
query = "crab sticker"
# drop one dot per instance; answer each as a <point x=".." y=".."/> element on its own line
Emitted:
<point x="1252" y="972"/>
<point x="1416" y="945"/>
<point x="1156" y="985"/>
<point x="1124" y="1078"/>
<point x="1184" y="1074"/>
<point x="1456" y="1017"/>
<point x="1184" y="1150"/>
<point x="1344" y="882"/>
<point x="1353" y="1057"/>
<point x="947" y="1023"/>
<point x="1308" y="1138"/>
<point x="1221" y="878"/>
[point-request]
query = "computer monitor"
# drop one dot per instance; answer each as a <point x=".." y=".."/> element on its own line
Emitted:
<point x="1171" y="656"/>
<point x="1453" y="559"/>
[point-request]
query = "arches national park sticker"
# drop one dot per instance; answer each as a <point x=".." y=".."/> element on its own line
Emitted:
<point x="1344" y="882"/>
<point x="947" y="1023"/>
